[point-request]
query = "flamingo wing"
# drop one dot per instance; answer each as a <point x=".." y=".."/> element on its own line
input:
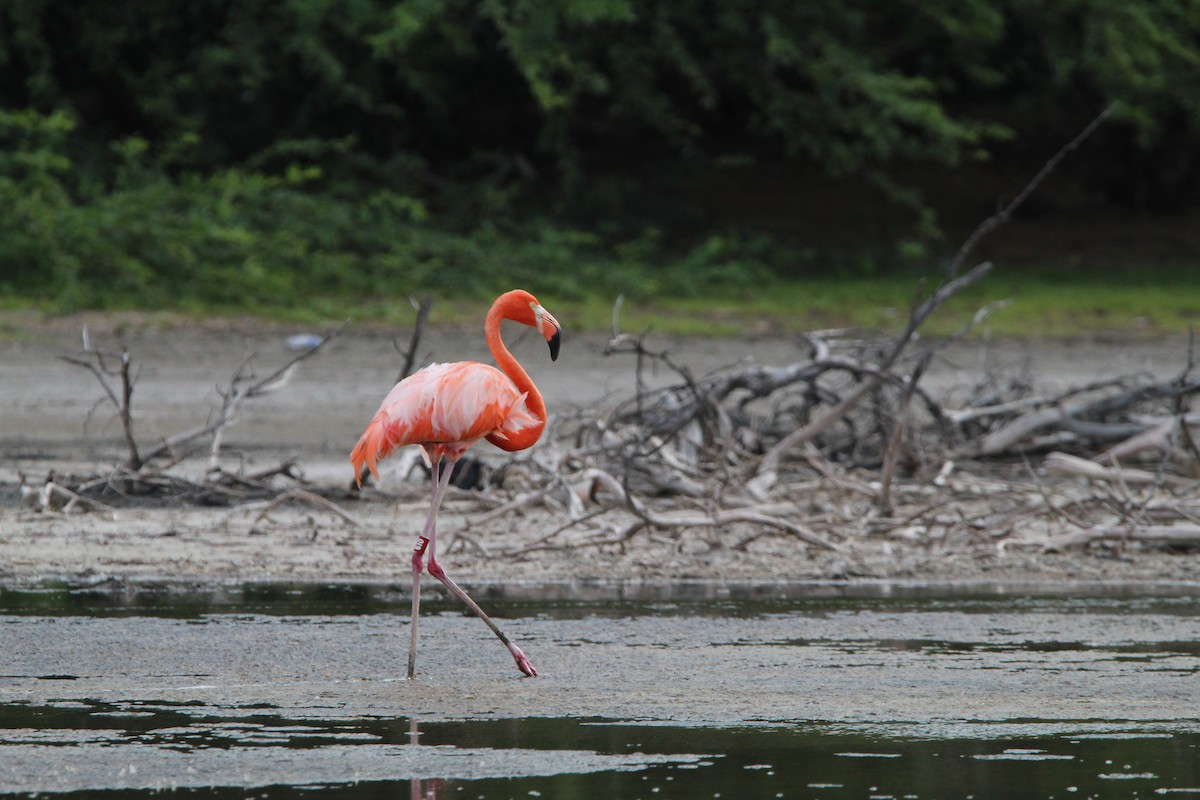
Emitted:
<point x="453" y="404"/>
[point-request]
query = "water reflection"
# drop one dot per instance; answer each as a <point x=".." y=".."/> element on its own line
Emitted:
<point x="422" y="788"/>
<point x="139" y="750"/>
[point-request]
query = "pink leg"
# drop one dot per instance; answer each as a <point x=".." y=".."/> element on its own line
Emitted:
<point x="438" y="483"/>
<point x="435" y="569"/>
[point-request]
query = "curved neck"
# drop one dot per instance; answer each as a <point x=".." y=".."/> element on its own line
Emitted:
<point x="520" y="378"/>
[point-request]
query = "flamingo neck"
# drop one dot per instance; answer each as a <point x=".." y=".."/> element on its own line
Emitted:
<point x="520" y="378"/>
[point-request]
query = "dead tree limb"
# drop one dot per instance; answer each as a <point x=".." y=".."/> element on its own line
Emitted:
<point x="54" y="497"/>
<point x="1005" y="214"/>
<point x="1011" y="433"/>
<point x="100" y="368"/>
<point x="899" y="424"/>
<point x="1065" y="464"/>
<point x="1179" y="535"/>
<point x="769" y="464"/>
<point x="414" y="342"/>
<point x="243" y="388"/>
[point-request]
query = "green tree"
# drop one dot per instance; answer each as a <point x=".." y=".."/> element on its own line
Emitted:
<point x="147" y="145"/>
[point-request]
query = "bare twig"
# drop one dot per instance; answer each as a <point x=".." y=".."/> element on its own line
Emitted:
<point x="1005" y="214"/>
<point x="301" y="495"/>
<point x="1066" y="464"/>
<point x="893" y="451"/>
<point x="414" y="342"/>
<point x="1186" y="535"/>
<point x="770" y="462"/>
<point x="99" y="367"/>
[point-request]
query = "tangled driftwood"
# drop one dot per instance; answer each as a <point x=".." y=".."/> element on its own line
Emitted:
<point x="146" y="470"/>
<point x="846" y="445"/>
<point x="841" y="447"/>
<point x="838" y="448"/>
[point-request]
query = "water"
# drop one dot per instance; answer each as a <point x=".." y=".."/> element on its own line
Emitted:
<point x="294" y="692"/>
<point x="132" y="750"/>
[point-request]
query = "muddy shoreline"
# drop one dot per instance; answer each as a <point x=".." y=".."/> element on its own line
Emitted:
<point x="50" y="420"/>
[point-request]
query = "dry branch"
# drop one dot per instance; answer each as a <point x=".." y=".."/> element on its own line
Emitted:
<point x="898" y="427"/>
<point x="298" y="495"/>
<point x="133" y="477"/>
<point x="53" y="497"/>
<point x="1073" y="414"/>
<point x="1184" y="535"/>
<point x="1066" y="464"/>
<point x="99" y="364"/>
<point x="1005" y="214"/>
<point x="770" y="462"/>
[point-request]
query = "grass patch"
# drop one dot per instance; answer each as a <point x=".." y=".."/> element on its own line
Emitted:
<point x="1043" y="301"/>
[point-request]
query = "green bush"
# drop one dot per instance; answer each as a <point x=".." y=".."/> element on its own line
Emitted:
<point x="249" y="240"/>
<point x="263" y="155"/>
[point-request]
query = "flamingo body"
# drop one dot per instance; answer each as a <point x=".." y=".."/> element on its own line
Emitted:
<point x="446" y="408"/>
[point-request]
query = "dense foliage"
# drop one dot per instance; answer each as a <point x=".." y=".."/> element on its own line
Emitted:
<point x="248" y="153"/>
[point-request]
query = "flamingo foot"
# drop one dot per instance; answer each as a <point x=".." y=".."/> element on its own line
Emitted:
<point x="523" y="663"/>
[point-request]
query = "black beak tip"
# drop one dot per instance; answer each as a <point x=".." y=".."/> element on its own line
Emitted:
<point x="554" y="342"/>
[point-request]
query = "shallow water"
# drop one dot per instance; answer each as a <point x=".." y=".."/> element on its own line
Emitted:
<point x="131" y="751"/>
<point x="697" y="692"/>
<point x="566" y="599"/>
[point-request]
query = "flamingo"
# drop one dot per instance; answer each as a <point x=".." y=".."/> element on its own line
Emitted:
<point x="446" y="408"/>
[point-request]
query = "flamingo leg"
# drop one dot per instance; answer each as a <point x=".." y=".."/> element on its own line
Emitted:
<point x="439" y="480"/>
<point x="435" y="569"/>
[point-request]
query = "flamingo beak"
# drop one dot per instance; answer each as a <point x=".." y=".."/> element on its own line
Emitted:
<point x="548" y="326"/>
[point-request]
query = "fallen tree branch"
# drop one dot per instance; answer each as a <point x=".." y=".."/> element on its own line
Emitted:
<point x="898" y="425"/>
<point x="265" y="507"/>
<point x="1005" y="214"/>
<point x="1185" y="535"/>
<point x="1064" y="464"/>
<point x="99" y="367"/>
<point x="54" y="497"/>
<point x="770" y="462"/>
<point x="1008" y="435"/>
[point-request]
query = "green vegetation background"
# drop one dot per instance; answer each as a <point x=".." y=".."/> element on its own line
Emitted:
<point x="724" y="165"/>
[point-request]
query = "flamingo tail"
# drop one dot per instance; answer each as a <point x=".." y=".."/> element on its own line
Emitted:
<point x="372" y="446"/>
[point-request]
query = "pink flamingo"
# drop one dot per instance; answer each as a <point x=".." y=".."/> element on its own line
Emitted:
<point x="446" y="408"/>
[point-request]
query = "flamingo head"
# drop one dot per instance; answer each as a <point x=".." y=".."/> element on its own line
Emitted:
<point x="520" y="306"/>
